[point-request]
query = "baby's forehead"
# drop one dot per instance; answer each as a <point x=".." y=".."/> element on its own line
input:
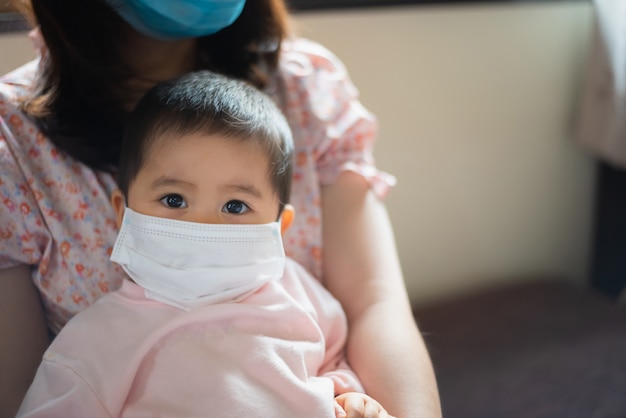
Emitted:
<point x="170" y="141"/>
<point x="168" y="144"/>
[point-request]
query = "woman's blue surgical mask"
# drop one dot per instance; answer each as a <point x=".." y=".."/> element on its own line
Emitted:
<point x="177" y="19"/>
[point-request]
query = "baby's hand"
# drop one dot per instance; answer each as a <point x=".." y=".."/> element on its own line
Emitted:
<point x="358" y="405"/>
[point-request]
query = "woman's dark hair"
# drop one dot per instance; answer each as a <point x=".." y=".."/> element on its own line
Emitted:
<point x="212" y="104"/>
<point x="78" y="97"/>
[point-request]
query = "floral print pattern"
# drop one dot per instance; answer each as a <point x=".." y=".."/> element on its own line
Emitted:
<point x="55" y="213"/>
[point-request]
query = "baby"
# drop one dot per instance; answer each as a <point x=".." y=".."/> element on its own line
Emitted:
<point x="214" y="319"/>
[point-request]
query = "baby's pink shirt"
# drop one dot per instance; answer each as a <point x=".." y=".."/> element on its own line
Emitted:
<point x="277" y="353"/>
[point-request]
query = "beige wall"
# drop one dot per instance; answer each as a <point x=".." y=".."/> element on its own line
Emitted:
<point x="476" y="106"/>
<point x="15" y="49"/>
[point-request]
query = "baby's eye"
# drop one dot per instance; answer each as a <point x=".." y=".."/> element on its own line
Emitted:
<point x="236" y="206"/>
<point x="175" y="201"/>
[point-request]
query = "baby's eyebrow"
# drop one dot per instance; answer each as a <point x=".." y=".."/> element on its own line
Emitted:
<point x="165" y="181"/>
<point x="244" y="188"/>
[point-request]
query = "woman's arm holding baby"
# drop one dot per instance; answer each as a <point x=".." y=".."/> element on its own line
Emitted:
<point x="362" y="270"/>
<point x="24" y="336"/>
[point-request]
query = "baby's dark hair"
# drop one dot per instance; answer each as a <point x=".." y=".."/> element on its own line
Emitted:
<point x="206" y="102"/>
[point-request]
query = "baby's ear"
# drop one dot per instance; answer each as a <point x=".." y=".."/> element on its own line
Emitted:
<point x="119" y="205"/>
<point x="286" y="218"/>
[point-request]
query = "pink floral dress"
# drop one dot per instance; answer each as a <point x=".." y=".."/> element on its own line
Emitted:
<point x="55" y="213"/>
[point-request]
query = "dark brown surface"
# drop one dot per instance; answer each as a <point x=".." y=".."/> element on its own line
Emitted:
<point x="540" y="349"/>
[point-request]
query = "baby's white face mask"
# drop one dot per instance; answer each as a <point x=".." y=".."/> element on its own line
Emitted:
<point x="187" y="264"/>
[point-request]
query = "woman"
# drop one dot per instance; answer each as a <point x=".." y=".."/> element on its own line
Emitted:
<point x="62" y="124"/>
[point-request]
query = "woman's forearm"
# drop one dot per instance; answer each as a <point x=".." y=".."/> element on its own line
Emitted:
<point x="24" y="336"/>
<point x="394" y="366"/>
<point x="362" y="270"/>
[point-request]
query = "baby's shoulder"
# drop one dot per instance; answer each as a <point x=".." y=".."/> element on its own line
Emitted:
<point x="121" y="315"/>
<point x="299" y="277"/>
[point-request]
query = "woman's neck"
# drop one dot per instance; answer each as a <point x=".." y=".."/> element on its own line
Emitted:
<point x="155" y="60"/>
